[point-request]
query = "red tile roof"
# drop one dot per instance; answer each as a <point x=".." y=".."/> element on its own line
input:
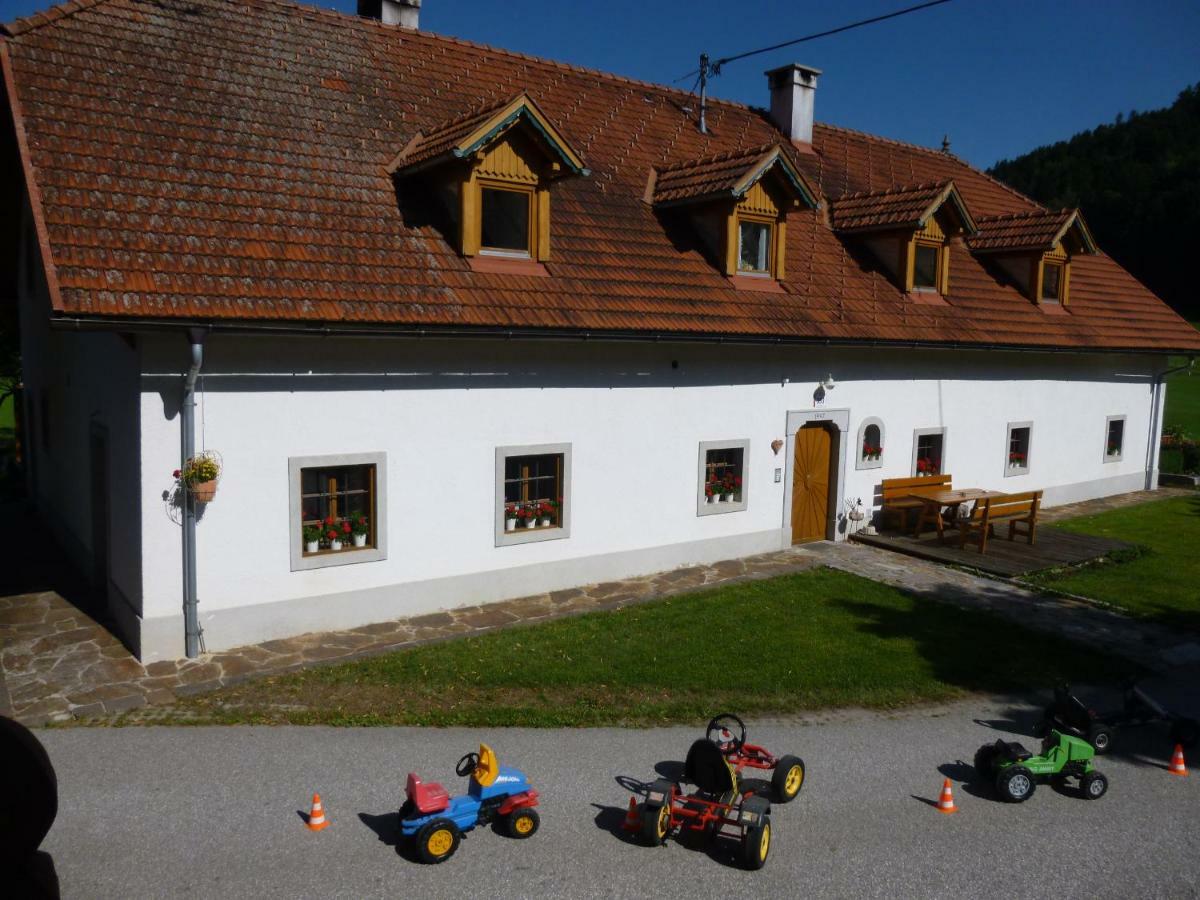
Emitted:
<point x="892" y="208"/>
<point x="1039" y="230"/>
<point x="726" y="174"/>
<point x="227" y="159"/>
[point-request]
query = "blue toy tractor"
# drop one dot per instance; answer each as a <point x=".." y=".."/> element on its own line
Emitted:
<point x="436" y="821"/>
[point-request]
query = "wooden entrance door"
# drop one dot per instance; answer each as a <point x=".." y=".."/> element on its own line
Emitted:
<point x="810" y="483"/>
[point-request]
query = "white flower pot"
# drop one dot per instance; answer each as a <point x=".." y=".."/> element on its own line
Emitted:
<point x="727" y="498"/>
<point x="360" y="540"/>
<point x="312" y="546"/>
<point x="531" y="523"/>
<point x="710" y="498"/>
<point x="335" y="545"/>
<point x="544" y="522"/>
<point x="510" y="524"/>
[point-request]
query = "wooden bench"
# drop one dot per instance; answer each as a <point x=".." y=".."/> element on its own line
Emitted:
<point x="898" y="495"/>
<point x="1018" y="510"/>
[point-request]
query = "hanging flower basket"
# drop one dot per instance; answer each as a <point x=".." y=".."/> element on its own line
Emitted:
<point x="200" y="475"/>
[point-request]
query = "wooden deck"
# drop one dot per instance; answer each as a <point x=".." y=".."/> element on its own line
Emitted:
<point x="1008" y="558"/>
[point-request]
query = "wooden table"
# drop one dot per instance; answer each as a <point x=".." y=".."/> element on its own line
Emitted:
<point x="932" y="503"/>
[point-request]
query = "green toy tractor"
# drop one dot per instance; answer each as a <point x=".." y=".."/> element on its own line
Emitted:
<point x="1016" y="772"/>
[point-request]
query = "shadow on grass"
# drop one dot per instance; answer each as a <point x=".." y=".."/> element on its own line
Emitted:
<point x="976" y="650"/>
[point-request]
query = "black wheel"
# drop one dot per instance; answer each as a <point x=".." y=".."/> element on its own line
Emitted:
<point x="656" y="822"/>
<point x="788" y="778"/>
<point x="522" y="823"/>
<point x="984" y="757"/>
<point x="1093" y="786"/>
<point x="727" y="731"/>
<point x="1185" y="731"/>
<point x="1015" y="784"/>
<point x="756" y="844"/>
<point x="437" y="840"/>
<point x="1101" y="738"/>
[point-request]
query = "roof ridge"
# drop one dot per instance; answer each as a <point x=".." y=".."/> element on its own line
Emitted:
<point x="43" y="17"/>
<point x="350" y="18"/>
<point x="930" y="151"/>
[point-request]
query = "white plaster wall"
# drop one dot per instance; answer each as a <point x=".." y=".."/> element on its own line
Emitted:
<point x="634" y="423"/>
<point x="92" y="381"/>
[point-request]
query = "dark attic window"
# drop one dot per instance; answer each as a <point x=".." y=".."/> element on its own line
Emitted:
<point x="505" y="221"/>
<point x="925" y="266"/>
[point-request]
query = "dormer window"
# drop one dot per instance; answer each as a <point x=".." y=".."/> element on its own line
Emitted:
<point x="1052" y="281"/>
<point x="496" y="168"/>
<point x="1035" y="250"/>
<point x="927" y="262"/>
<point x="505" y="221"/>
<point x="909" y="230"/>
<point x="738" y="204"/>
<point x="754" y="246"/>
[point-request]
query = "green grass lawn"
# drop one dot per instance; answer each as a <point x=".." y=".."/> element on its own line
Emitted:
<point x="1164" y="582"/>
<point x="801" y="642"/>
<point x="1183" y="398"/>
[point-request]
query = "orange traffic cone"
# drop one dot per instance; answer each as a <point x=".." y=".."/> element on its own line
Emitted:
<point x="1177" y="767"/>
<point x="316" y="818"/>
<point x="946" y="801"/>
<point x="631" y="817"/>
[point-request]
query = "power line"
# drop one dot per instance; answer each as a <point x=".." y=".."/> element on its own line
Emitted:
<point x="715" y="68"/>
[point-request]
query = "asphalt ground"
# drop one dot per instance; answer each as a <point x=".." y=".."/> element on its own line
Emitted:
<point x="206" y="812"/>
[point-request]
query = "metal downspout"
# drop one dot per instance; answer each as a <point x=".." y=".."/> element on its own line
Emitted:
<point x="1152" y="445"/>
<point x="191" y="619"/>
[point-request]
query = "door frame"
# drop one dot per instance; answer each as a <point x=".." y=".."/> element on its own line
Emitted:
<point x="797" y="419"/>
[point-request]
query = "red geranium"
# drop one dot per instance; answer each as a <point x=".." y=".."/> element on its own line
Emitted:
<point x="175" y="474"/>
<point x="345" y="527"/>
<point x="331" y="534"/>
<point x="329" y="520"/>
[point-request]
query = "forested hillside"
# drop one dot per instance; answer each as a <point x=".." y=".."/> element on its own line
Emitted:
<point x="1138" y="184"/>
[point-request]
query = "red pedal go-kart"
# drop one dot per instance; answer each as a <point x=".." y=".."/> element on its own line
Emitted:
<point x="728" y="732"/>
<point x="717" y="809"/>
<point x="721" y="807"/>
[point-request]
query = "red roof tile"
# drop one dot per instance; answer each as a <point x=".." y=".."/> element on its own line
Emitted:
<point x="726" y="174"/>
<point x="208" y="159"/>
<point x="1038" y="230"/>
<point x="891" y="208"/>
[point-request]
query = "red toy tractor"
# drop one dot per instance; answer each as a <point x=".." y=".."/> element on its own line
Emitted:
<point x="728" y="732"/>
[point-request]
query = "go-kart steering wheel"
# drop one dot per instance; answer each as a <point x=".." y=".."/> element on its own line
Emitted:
<point x="467" y="765"/>
<point x="727" y="731"/>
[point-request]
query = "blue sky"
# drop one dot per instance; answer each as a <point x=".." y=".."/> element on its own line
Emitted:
<point x="999" y="76"/>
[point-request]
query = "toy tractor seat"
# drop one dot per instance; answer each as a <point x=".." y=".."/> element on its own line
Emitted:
<point x="1012" y="751"/>
<point x="707" y="768"/>
<point x="427" y="798"/>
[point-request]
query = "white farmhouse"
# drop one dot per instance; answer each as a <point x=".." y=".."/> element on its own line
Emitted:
<point x="465" y="325"/>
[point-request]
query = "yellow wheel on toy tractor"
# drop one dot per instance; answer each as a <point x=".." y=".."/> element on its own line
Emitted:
<point x="522" y="823"/>
<point x="437" y="840"/>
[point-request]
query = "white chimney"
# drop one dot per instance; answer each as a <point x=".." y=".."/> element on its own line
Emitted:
<point x="405" y="13"/>
<point x="793" y="88"/>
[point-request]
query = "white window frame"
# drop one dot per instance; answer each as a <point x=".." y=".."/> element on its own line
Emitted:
<point x="859" y="462"/>
<point x="302" y="563"/>
<point x="1116" y="457"/>
<point x="919" y="433"/>
<point x="703" y="507"/>
<point x="1013" y="471"/>
<point x="533" y="535"/>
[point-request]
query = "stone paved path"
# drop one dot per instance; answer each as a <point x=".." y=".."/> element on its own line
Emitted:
<point x="57" y="663"/>
<point x="1148" y="644"/>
